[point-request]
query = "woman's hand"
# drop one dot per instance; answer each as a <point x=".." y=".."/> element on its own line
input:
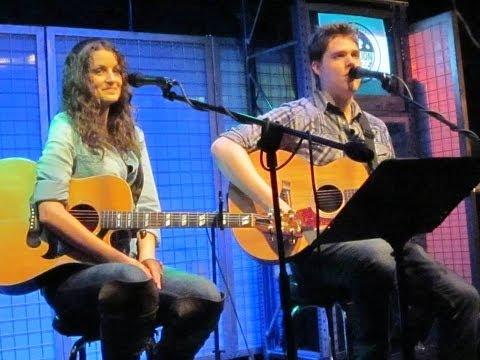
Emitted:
<point x="155" y="268"/>
<point x="146" y="255"/>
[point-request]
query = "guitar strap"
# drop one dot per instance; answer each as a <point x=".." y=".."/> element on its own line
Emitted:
<point x="369" y="140"/>
<point x="137" y="184"/>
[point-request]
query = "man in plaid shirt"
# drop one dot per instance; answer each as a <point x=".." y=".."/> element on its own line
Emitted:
<point x="362" y="270"/>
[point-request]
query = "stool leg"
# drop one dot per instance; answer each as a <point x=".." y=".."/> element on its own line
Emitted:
<point x="346" y="333"/>
<point x="331" y="331"/>
<point x="82" y="353"/>
<point x="78" y="348"/>
<point x="149" y="350"/>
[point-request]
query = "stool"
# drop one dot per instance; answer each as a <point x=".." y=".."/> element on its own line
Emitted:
<point x="331" y="303"/>
<point x="332" y="318"/>
<point x="78" y="350"/>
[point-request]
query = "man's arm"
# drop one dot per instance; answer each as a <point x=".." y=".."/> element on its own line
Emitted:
<point x="235" y="164"/>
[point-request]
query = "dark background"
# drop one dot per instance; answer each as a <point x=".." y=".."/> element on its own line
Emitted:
<point x="196" y="17"/>
<point x="224" y="18"/>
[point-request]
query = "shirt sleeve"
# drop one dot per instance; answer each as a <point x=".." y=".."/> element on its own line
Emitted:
<point x="148" y="199"/>
<point x="292" y="115"/>
<point x="55" y="166"/>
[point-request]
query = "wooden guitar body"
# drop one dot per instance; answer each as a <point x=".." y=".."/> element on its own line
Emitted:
<point x="335" y="184"/>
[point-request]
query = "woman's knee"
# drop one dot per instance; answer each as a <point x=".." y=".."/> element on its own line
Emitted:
<point x="128" y="273"/>
<point x="195" y="313"/>
<point x="209" y="291"/>
<point x="128" y="298"/>
<point x="183" y="284"/>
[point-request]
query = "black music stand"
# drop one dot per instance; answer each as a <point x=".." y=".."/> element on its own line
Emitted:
<point x="400" y="199"/>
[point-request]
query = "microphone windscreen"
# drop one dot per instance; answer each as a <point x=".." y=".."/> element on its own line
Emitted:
<point x="353" y="73"/>
<point x="135" y="79"/>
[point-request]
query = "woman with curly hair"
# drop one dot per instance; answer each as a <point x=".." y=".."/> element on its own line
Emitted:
<point x="118" y="290"/>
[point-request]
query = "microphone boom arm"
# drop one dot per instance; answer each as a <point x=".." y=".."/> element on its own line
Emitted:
<point x="390" y="85"/>
<point x="355" y="150"/>
<point x="386" y="84"/>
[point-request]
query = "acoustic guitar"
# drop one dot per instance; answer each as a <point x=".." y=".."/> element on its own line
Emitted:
<point x="336" y="182"/>
<point x="103" y="204"/>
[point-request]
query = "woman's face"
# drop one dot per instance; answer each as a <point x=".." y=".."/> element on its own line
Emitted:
<point x="105" y="76"/>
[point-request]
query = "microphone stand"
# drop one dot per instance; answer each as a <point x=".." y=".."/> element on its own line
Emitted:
<point x="270" y="141"/>
<point x="219" y="223"/>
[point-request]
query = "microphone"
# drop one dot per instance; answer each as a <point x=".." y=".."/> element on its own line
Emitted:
<point x="360" y="73"/>
<point x="358" y="151"/>
<point x="138" y="79"/>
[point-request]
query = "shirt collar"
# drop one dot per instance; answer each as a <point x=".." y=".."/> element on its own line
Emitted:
<point x="323" y="101"/>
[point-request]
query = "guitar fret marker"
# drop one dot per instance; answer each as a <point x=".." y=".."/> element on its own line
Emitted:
<point x="245" y="220"/>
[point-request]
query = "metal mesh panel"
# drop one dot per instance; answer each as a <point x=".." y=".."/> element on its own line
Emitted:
<point x="449" y="243"/>
<point x="25" y="320"/>
<point x="19" y="95"/>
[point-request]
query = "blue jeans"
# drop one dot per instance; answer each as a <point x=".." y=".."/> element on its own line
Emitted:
<point x="363" y="272"/>
<point x="181" y="303"/>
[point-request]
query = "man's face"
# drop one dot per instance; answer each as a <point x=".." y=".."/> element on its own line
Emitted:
<point x="341" y="55"/>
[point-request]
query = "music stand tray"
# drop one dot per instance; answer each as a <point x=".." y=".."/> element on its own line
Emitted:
<point x="400" y="199"/>
<point x="403" y="198"/>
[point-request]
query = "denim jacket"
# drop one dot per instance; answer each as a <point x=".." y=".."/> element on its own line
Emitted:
<point x="65" y="157"/>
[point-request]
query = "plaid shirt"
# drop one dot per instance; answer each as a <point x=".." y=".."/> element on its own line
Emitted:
<point x="319" y="115"/>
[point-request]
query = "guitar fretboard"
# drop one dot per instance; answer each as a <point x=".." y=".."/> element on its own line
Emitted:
<point x="155" y="220"/>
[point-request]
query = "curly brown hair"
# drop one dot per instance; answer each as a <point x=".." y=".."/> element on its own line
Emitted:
<point x="83" y="107"/>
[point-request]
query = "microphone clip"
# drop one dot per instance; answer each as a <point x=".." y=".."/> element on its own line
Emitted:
<point x="390" y="85"/>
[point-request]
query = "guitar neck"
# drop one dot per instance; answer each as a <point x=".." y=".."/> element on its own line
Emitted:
<point x="117" y="220"/>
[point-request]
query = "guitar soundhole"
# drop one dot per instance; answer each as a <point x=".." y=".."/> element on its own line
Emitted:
<point x="329" y="198"/>
<point x="86" y="215"/>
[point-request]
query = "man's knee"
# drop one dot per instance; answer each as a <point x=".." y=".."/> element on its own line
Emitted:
<point x="470" y="298"/>
<point x="380" y="274"/>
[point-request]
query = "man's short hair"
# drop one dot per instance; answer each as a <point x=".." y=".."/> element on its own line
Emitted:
<point x="322" y="36"/>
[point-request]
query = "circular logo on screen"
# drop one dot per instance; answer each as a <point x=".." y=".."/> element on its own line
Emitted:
<point x="369" y="48"/>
